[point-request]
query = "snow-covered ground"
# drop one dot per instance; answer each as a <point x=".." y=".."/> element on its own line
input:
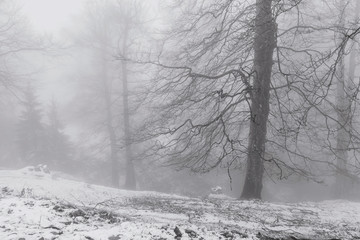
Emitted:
<point x="40" y="206"/>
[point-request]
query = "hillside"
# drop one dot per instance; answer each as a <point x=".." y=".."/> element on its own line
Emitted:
<point x="41" y="206"/>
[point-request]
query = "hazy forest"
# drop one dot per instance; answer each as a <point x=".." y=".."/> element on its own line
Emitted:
<point x="172" y="106"/>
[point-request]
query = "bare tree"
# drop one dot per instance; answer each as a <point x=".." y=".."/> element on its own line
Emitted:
<point x="16" y="40"/>
<point x="264" y="45"/>
<point x="113" y="30"/>
<point x="128" y="15"/>
<point x="98" y="40"/>
<point x="127" y="20"/>
<point x="217" y="78"/>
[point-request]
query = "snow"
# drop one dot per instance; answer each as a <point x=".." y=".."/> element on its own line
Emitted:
<point x="38" y="205"/>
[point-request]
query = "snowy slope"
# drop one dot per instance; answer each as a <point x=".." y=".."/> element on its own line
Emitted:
<point x="37" y="205"/>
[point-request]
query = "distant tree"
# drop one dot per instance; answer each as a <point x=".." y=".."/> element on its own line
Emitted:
<point x="93" y="42"/>
<point x="30" y="129"/>
<point x="111" y="28"/>
<point x="59" y="149"/>
<point x="8" y="119"/>
<point x="16" y="40"/>
<point x="128" y="20"/>
<point x="346" y="91"/>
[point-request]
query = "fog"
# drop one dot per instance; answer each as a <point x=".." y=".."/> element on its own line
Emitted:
<point x="174" y="96"/>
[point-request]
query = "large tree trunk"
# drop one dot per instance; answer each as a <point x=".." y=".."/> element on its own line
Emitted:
<point x="130" y="181"/>
<point x="264" y="44"/>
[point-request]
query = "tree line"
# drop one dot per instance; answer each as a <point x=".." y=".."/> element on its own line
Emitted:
<point x="41" y="142"/>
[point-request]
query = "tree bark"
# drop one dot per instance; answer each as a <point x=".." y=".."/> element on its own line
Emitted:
<point x="130" y="181"/>
<point x="264" y="44"/>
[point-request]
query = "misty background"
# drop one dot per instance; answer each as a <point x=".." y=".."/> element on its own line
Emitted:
<point x="122" y="93"/>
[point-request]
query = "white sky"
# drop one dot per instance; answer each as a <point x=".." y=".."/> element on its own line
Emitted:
<point x="50" y="16"/>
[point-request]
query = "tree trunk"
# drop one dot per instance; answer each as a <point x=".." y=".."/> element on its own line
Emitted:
<point x="343" y="136"/>
<point x="130" y="181"/>
<point x="114" y="159"/>
<point x="114" y="164"/>
<point x="111" y="131"/>
<point x="264" y="44"/>
<point x="342" y="117"/>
